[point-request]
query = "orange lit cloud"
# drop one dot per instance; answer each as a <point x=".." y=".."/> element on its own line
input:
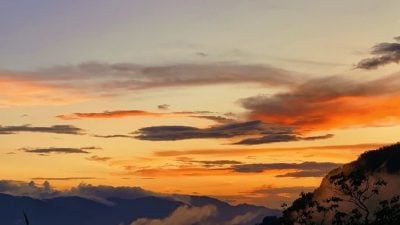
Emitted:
<point x="329" y="103"/>
<point x="245" y="152"/>
<point x="343" y="113"/>
<point x="186" y="171"/>
<point x="206" y="171"/>
<point x="188" y="167"/>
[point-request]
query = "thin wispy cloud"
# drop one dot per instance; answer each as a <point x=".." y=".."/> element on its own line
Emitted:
<point x="114" y="136"/>
<point x="62" y="178"/>
<point x="305" y="169"/>
<point x="218" y="119"/>
<point x="307" y="173"/>
<point x="126" y="113"/>
<point x="209" y="163"/>
<point x="260" y="151"/>
<point x="226" y="167"/>
<point x="93" y="80"/>
<point x="55" y="129"/>
<point x="273" y="138"/>
<point x="51" y="150"/>
<point x="99" y="158"/>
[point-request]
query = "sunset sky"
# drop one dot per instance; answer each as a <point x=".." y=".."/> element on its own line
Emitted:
<point x="247" y="101"/>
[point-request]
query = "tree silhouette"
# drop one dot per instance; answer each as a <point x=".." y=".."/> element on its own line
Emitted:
<point x="357" y="189"/>
<point x="389" y="212"/>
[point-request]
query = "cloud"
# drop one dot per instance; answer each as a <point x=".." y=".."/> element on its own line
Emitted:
<point x="104" y="192"/>
<point x="98" y="158"/>
<point x="46" y="151"/>
<point x="99" y="193"/>
<point x="209" y="163"/>
<point x="246" y="152"/>
<point x="218" y="119"/>
<point x="385" y="53"/>
<point x="183" y="215"/>
<point x="273" y="138"/>
<point x="20" y="188"/>
<point x="62" y="178"/>
<point x="17" y="89"/>
<point x="163" y="106"/>
<point x="56" y="129"/>
<point x="270" y="190"/>
<point x="270" y="133"/>
<point x="193" y="168"/>
<point x="81" y="82"/>
<point x="125" y="113"/>
<point x="329" y="103"/>
<point x="308" y="173"/>
<point x="305" y="169"/>
<point x="134" y="76"/>
<point x="272" y="196"/>
<point x="114" y="136"/>
<point x="242" y="219"/>
<point x="207" y="215"/>
<point x="109" y="114"/>
<point x="275" y="196"/>
<point x="181" y="171"/>
<point x="173" y="133"/>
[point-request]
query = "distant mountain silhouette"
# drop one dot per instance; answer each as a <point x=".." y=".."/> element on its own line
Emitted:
<point x="81" y="211"/>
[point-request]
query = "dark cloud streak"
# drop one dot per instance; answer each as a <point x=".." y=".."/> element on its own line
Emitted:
<point x="273" y="138"/>
<point x="173" y="133"/>
<point x="56" y="129"/>
<point x="45" y="151"/>
<point x="385" y="53"/>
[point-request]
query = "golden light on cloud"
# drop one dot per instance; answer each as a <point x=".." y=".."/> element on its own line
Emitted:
<point x="343" y="112"/>
<point x="19" y="92"/>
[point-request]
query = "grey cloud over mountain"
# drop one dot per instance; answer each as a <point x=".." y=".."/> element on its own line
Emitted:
<point x="100" y="193"/>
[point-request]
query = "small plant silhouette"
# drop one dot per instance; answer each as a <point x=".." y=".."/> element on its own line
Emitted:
<point x="25" y="218"/>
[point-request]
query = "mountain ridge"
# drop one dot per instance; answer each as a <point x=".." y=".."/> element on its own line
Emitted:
<point x="70" y="210"/>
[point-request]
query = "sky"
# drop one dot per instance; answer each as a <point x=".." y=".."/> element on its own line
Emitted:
<point x="246" y="101"/>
